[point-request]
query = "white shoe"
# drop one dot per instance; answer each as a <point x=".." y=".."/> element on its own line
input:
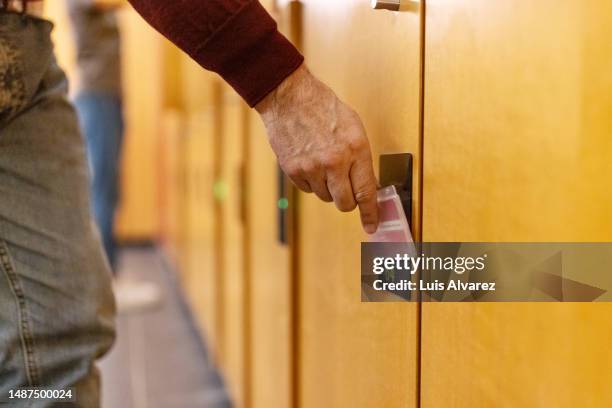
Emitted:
<point x="134" y="296"/>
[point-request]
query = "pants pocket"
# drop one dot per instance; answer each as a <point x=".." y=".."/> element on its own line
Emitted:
<point x="21" y="319"/>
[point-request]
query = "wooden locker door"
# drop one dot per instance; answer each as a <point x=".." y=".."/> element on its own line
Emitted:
<point x="269" y="309"/>
<point x="198" y="217"/>
<point x="199" y="96"/>
<point x="172" y="193"/>
<point x="270" y="279"/>
<point x="518" y="118"/>
<point x="353" y="354"/>
<point x="138" y="214"/>
<point x="229" y="190"/>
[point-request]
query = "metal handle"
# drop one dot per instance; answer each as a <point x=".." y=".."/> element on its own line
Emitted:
<point x="396" y="170"/>
<point x="386" y="4"/>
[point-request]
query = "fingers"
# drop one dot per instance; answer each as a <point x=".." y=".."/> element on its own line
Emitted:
<point x="329" y="182"/>
<point x="339" y="185"/>
<point x="348" y="186"/>
<point x="315" y="176"/>
<point x="347" y="189"/>
<point x="364" y="188"/>
<point x="295" y="174"/>
<point x="311" y="179"/>
<point x="301" y="184"/>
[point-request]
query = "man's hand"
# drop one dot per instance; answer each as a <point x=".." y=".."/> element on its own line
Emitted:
<point x="321" y="144"/>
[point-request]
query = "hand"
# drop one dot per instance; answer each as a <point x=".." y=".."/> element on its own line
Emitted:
<point x="321" y="144"/>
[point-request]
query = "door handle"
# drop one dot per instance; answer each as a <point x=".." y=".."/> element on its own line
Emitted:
<point x="386" y="4"/>
<point x="396" y="5"/>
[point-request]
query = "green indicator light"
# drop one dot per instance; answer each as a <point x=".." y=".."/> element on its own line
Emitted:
<point x="283" y="203"/>
<point x="220" y="190"/>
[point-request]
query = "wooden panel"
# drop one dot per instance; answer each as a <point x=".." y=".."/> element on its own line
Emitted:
<point x="199" y="88"/>
<point x="138" y="216"/>
<point x="269" y="333"/>
<point x="172" y="185"/>
<point x="517" y="144"/>
<point x="198" y="215"/>
<point x="270" y="309"/>
<point x="229" y="191"/>
<point x="353" y="354"/>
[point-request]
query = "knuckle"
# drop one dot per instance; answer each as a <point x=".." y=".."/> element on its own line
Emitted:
<point x="357" y="144"/>
<point x="364" y="196"/>
<point x="331" y="161"/>
<point x="308" y="167"/>
<point x="292" y="170"/>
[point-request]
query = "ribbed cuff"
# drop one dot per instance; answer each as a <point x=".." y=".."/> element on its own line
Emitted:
<point x="249" y="53"/>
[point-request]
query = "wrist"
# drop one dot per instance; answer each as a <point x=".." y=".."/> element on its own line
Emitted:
<point x="292" y="90"/>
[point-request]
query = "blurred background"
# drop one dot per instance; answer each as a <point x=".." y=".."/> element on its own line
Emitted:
<point x="507" y="110"/>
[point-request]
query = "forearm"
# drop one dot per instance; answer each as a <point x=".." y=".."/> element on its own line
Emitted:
<point x="235" y="38"/>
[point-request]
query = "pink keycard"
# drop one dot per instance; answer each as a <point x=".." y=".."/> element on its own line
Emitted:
<point x="393" y="226"/>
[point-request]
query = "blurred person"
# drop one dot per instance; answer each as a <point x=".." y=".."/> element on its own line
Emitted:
<point x="99" y="107"/>
<point x="56" y="304"/>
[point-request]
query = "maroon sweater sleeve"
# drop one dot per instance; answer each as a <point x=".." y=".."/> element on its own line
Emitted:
<point x="235" y="38"/>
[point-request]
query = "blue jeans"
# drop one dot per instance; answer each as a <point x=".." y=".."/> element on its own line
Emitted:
<point x="101" y="119"/>
<point x="56" y="305"/>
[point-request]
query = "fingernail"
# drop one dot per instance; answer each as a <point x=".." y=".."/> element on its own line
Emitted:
<point x="370" y="228"/>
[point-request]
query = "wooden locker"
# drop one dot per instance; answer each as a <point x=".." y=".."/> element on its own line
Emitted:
<point x="198" y="215"/>
<point x="353" y="354"/>
<point x="229" y="193"/>
<point x="172" y="191"/>
<point x="518" y="118"/>
<point x="270" y="278"/>
<point x="199" y="98"/>
<point x="269" y="358"/>
<point x="138" y="217"/>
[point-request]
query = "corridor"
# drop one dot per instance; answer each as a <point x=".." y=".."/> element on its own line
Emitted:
<point x="158" y="360"/>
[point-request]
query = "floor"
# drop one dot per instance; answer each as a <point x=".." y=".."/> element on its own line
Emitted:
<point x="158" y="360"/>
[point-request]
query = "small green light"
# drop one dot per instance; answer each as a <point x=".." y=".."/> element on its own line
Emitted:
<point x="220" y="190"/>
<point x="283" y="203"/>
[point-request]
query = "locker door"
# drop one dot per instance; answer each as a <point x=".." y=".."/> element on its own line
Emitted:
<point x="172" y="164"/>
<point x="139" y="213"/>
<point x="197" y="216"/>
<point x="352" y="354"/>
<point x="518" y="118"/>
<point x="269" y="334"/>
<point x="229" y="192"/>
<point x="270" y="279"/>
<point x="199" y="96"/>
